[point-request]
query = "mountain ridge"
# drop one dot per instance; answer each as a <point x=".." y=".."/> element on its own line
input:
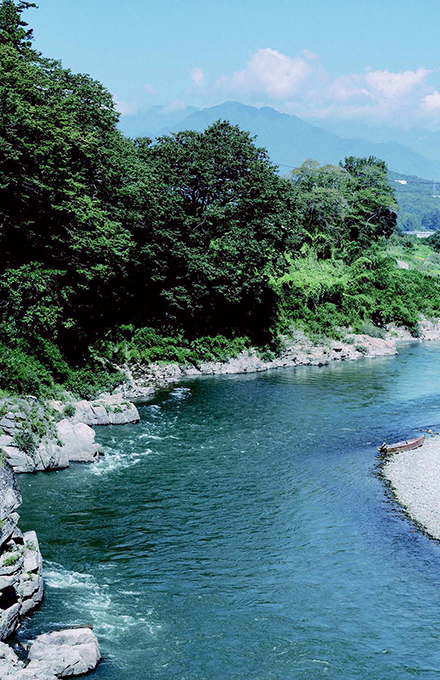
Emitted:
<point x="290" y="140"/>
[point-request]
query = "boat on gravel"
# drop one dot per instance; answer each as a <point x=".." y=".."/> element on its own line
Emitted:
<point x="406" y="445"/>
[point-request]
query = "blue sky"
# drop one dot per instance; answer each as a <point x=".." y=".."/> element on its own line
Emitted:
<point x="327" y="59"/>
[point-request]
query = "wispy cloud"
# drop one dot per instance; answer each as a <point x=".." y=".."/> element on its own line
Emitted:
<point x="150" y="89"/>
<point x="125" y="108"/>
<point x="198" y="77"/>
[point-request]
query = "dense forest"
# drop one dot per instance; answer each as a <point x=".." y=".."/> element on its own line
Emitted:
<point x="188" y="247"/>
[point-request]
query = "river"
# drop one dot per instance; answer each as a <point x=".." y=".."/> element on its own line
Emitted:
<point x="241" y="531"/>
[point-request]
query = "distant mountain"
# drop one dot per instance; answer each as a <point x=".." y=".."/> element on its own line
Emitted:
<point x="150" y="123"/>
<point x="290" y="140"/>
<point x="423" y="141"/>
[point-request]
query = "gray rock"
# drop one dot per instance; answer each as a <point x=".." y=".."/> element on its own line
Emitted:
<point x="51" y="456"/>
<point x="9" y="581"/>
<point x="17" y="563"/>
<point x="32" y="592"/>
<point x="6" y="440"/>
<point x="66" y="652"/>
<point x="7" y="653"/>
<point x="7" y="528"/>
<point x="19" y="460"/>
<point x="100" y="415"/>
<point x="10" y="497"/>
<point x="9" y="620"/>
<point x="10" y="664"/>
<point x="30" y="588"/>
<point x="78" y="442"/>
<point x="38" y="673"/>
<point x="128" y="414"/>
<point x="108" y="410"/>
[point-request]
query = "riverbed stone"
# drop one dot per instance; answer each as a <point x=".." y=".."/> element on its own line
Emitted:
<point x="66" y="652"/>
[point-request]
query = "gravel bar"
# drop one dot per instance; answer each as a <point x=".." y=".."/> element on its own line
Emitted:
<point x="415" y="479"/>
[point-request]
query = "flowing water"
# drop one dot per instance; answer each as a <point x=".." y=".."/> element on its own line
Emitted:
<point x="241" y="531"/>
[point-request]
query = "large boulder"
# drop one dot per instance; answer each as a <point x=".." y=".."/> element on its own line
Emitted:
<point x="65" y="653"/>
<point x="78" y="442"/>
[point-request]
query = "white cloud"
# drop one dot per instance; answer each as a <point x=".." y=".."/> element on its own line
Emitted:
<point x="431" y="102"/>
<point x="345" y="88"/>
<point x="198" y="77"/>
<point x="270" y="73"/>
<point x="394" y="85"/>
<point x="301" y="85"/>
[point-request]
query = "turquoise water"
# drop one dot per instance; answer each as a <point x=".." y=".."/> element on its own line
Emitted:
<point x="241" y="531"/>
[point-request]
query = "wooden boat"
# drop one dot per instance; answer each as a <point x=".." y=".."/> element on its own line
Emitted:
<point x="406" y="445"/>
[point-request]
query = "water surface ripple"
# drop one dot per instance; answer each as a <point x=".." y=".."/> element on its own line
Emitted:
<point x="240" y="531"/>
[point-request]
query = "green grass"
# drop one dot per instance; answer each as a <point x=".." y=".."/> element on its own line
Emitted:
<point x="416" y="253"/>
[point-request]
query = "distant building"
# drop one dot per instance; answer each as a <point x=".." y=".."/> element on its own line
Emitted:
<point x="422" y="234"/>
<point x="401" y="181"/>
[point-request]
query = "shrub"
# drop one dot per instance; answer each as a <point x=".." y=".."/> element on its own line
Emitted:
<point x="11" y="559"/>
<point x="69" y="410"/>
<point x="26" y="442"/>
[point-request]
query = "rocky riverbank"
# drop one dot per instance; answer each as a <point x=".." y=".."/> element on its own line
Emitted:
<point x="57" y="655"/>
<point x="298" y="350"/>
<point x="415" y="480"/>
<point x="43" y="437"/>
<point x="36" y="437"/>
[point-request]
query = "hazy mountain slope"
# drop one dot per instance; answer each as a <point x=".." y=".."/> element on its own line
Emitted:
<point x="291" y="140"/>
<point x="150" y="123"/>
<point x="422" y="141"/>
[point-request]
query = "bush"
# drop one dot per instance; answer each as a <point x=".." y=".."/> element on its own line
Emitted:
<point x="22" y="373"/>
<point x="69" y="410"/>
<point x="26" y="442"/>
<point x="87" y="383"/>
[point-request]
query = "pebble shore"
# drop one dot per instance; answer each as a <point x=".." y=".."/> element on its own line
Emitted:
<point x="415" y="480"/>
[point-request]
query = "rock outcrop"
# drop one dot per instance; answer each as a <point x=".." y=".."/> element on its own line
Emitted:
<point x="32" y="441"/>
<point x="59" y="654"/>
<point x="111" y="409"/>
<point x="21" y="580"/>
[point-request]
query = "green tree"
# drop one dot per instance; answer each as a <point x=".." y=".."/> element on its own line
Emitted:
<point x="372" y="209"/>
<point x="13" y="29"/>
<point x="320" y="205"/>
<point x="223" y="225"/>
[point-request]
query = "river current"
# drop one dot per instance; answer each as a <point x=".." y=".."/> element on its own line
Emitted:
<point x="241" y="530"/>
